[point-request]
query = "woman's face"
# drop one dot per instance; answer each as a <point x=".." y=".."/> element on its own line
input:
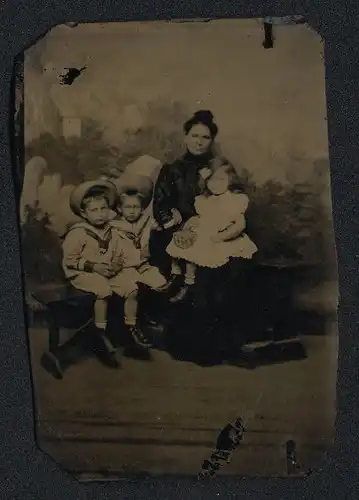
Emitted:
<point x="218" y="183"/>
<point x="199" y="139"/>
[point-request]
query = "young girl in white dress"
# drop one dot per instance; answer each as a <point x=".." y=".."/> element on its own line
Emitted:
<point x="217" y="233"/>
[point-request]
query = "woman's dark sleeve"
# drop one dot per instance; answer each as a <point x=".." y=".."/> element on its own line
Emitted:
<point x="164" y="196"/>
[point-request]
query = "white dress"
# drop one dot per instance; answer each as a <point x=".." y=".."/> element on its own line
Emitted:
<point x="216" y="213"/>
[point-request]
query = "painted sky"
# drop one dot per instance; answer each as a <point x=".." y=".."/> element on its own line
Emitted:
<point x="269" y="104"/>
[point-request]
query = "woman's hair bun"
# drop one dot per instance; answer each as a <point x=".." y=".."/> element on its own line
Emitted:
<point x="204" y="115"/>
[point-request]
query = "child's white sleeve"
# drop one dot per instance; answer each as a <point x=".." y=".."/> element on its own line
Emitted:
<point x="241" y="202"/>
<point x="199" y="204"/>
<point x="72" y="248"/>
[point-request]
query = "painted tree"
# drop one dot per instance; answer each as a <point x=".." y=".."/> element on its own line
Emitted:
<point x="41" y="114"/>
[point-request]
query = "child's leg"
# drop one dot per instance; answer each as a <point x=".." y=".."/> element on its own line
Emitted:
<point x="100" y="311"/>
<point x="189" y="279"/>
<point x="176" y="268"/>
<point x="131" y="321"/>
<point x="190" y="273"/>
<point x="99" y="286"/>
<point x="125" y="285"/>
<point x="130" y="308"/>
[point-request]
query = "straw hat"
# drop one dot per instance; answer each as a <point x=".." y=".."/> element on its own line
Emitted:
<point x="136" y="184"/>
<point x="80" y="191"/>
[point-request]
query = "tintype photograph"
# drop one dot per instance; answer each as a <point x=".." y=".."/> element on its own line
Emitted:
<point x="178" y="250"/>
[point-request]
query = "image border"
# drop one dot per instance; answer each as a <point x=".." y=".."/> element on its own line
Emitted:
<point x="29" y="473"/>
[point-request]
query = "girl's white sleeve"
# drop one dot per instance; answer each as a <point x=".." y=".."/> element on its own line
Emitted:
<point x="200" y="204"/>
<point x="240" y="203"/>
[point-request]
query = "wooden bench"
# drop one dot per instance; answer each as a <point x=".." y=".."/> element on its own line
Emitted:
<point x="62" y="308"/>
<point x="259" y="318"/>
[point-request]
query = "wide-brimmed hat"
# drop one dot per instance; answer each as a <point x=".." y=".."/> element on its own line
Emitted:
<point x="135" y="184"/>
<point x="80" y="191"/>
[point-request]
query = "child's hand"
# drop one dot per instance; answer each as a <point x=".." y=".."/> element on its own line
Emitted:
<point x="104" y="270"/>
<point x="116" y="268"/>
<point x="117" y="265"/>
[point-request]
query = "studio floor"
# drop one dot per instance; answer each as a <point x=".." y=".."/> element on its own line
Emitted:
<point x="164" y="416"/>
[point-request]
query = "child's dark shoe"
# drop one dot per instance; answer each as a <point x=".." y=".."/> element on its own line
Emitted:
<point x="174" y="283"/>
<point x="138" y="336"/>
<point x="180" y="295"/>
<point x="52" y="365"/>
<point x="108" y="358"/>
<point x="138" y="346"/>
<point x="104" y="350"/>
<point x="135" y="351"/>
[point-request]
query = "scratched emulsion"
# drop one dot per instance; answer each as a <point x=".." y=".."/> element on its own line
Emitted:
<point x="240" y="379"/>
<point x="70" y="75"/>
<point x="269" y="22"/>
<point x="228" y="440"/>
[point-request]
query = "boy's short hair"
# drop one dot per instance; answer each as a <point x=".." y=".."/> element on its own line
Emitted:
<point x="95" y="193"/>
<point x="133" y="193"/>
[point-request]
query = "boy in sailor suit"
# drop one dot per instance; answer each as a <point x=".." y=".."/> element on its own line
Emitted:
<point x="134" y="225"/>
<point x="93" y="254"/>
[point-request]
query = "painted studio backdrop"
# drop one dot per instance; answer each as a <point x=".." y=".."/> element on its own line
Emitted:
<point x="106" y="101"/>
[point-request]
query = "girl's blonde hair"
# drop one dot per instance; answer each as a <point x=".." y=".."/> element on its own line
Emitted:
<point x="222" y="164"/>
<point x="131" y="194"/>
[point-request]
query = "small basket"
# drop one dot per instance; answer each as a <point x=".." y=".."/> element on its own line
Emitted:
<point x="184" y="239"/>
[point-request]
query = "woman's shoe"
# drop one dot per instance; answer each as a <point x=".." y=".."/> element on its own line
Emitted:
<point x="244" y="359"/>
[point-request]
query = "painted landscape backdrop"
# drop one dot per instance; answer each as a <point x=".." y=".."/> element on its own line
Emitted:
<point x="275" y="134"/>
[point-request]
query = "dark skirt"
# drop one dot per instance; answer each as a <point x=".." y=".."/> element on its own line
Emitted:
<point x="214" y="322"/>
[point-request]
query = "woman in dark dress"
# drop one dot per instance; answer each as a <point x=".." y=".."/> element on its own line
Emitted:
<point x="178" y="184"/>
<point x="173" y="205"/>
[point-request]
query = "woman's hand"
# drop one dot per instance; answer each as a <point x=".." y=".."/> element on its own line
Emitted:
<point x="175" y="221"/>
<point x="155" y="226"/>
<point x="234" y="230"/>
<point x="176" y="217"/>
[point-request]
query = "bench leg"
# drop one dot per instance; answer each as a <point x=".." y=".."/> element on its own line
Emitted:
<point x="49" y="360"/>
<point x="54" y="334"/>
<point x="61" y="356"/>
